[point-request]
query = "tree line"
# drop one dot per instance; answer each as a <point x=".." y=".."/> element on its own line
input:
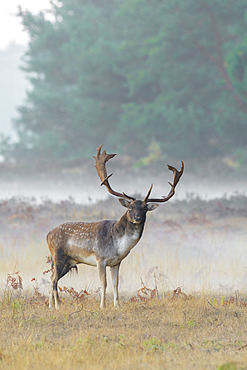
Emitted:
<point x="141" y="76"/>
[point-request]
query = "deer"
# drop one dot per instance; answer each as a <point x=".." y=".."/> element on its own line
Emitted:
<point x="102" y="243"/>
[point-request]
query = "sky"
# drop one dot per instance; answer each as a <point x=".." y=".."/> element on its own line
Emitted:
<point x="13" y="82"/>
<point x="10" y="26"/>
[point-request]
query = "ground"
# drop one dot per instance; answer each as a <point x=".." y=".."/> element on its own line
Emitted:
<point x="176" y="331"/>
<point x="182" y="290"/>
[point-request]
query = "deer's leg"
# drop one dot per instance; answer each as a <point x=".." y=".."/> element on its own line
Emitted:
<point x="59" y="271"/>
<point x="115" y="278"/>
<point x="51" y="299"/>
<point x="55" y="292"/>
<point x="54" y="299"/>
<point x="102" y="275"/>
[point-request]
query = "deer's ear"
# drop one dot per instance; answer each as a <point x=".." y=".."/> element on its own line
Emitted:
<point x="124" y="202"/>
<point x="152" y="206"/>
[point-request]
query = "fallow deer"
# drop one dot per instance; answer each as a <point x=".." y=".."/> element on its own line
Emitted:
<point x="103" y="243"/>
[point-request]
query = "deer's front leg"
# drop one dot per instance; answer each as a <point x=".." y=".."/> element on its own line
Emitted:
<point x="115" y="278"/>
<point x="102" y="275"/>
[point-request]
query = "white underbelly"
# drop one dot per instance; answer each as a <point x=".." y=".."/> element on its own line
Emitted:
<point x="80" y="254"/>
<point x="89" y="260"/>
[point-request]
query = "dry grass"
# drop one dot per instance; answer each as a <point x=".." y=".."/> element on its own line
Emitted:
<point x="175" y="331"/>
<point x="196" y="245"/>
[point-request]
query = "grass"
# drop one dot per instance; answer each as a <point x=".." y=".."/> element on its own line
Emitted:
<point x="198" y="246"/>
<point x="175" y="331"/>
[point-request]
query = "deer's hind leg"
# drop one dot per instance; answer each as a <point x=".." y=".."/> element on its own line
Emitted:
<point x="51" y="297"/>
<point x="61" y="267"/>
<point x="54" y="298"/>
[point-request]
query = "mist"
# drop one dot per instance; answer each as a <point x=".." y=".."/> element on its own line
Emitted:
<point x="121" y="74"/>
<point x="13" y="86"/>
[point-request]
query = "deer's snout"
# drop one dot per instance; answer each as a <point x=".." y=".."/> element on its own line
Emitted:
<point x="137" y="218"/>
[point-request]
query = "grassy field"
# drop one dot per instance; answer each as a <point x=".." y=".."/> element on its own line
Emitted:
<point x="196" y="246"/>
<point x="176" y="331"/>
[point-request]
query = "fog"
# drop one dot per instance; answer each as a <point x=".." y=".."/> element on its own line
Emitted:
<point x="85" y="187"/>
<point x="150" y="96"/>
<point x="195" y="241"/>
<point x="13" y="86"/>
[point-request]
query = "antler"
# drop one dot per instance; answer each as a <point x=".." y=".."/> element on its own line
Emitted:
<point x="176" y="177"/>
<point x="100" y="165"/>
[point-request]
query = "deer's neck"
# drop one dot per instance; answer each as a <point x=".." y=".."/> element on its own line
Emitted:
<point x="124" y="227"/>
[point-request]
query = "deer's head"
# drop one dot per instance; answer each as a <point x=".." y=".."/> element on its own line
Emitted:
<point x="137" y="209"/>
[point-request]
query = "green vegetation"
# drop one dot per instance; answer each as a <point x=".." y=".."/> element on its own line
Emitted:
<point x="135" y="74"/>
<point x="150" y="333"/>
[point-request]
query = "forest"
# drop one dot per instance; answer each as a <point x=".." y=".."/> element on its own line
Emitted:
<point x="155" y="82"/>
<point x="146" y="78"/>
